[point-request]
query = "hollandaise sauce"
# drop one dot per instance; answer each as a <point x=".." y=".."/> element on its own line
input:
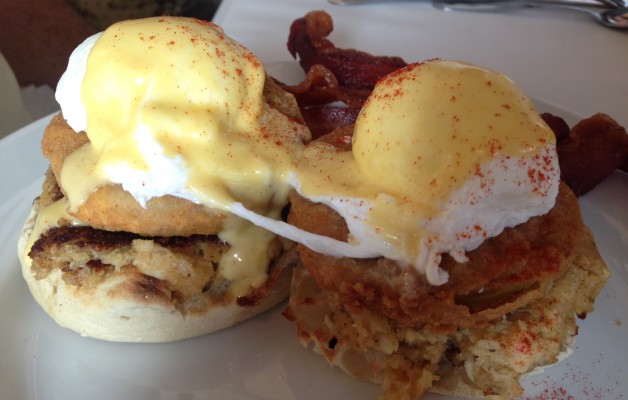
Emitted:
<point x="174" y="106"/>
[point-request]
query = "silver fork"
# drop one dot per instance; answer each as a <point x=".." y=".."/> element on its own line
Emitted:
<point x="612" y="17"/>
<point x="609" y="3"/>
<point x="606" y="12"/>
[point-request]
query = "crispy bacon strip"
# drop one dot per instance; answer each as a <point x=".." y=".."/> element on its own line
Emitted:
<point x="589" y="152"/>
<point x="321" y="86"/>
<point x="333" y="75"/>
<point x="325" y="119"/>
<point x="558" y="125"/>
<point x="354" y="69"/>
<point x="324" y="104"/>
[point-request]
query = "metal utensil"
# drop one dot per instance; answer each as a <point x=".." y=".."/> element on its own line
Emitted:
<point x="611" y="17"/>
<point x="610" y="3"/>
<point x="358" y="2"/>
<point x="616" y="3"/>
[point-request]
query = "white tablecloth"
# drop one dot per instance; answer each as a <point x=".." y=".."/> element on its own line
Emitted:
<point x="560" y="57"/>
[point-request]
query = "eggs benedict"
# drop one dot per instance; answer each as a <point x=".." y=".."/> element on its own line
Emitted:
<point x="471" y="258"/>
<point x="166" y="122"/>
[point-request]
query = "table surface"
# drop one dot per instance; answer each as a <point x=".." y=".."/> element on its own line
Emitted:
<point x="561" y="57"/>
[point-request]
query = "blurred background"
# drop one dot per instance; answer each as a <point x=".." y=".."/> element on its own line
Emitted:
<point x="37" y="36"/>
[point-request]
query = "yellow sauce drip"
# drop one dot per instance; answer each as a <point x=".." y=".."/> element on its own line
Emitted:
<point x="81" y="175"/>
<point x="49" y="217"/>
<point x="245" y="263"/>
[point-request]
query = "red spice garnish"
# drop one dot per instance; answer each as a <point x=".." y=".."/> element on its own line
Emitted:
<point x="202" y="22"/>
<point x="344" y="139"/>
<point x="524" y="346"/>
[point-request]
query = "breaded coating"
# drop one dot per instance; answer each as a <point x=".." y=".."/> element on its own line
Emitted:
<point x="487" y="359"/>
<point x="112" y="208"/>
<point x="504" y="273"/>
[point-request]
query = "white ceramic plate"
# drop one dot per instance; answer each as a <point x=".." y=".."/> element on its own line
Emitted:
<point x="259" y="359"/>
